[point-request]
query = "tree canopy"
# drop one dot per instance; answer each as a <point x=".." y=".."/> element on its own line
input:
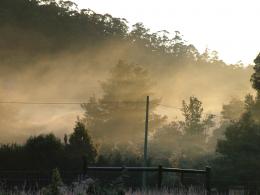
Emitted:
<point x="255" y="79"/>
<point x="240" y="148"/>
<point x="119" y="115"/>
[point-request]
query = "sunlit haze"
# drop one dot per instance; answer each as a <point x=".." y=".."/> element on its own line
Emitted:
<point x="129" y="97"/>
<point x="227" y="26"/>
<point x="50" y="65"/>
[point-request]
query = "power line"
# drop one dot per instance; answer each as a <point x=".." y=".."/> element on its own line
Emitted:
<point x="43" y="103"/>
<point x="75" y="103"/>
<point x="109" y="102"/>
<point x="80" y="103"/>
<point x="169" y="106"/>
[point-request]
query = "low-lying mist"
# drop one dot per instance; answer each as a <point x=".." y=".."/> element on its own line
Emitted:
<point x="74" y="78"/>
<point x="41" y="66"/>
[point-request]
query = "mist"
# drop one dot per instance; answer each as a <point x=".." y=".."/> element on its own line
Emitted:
<point x="70" y="77"/>
<point x="36" y="66"/>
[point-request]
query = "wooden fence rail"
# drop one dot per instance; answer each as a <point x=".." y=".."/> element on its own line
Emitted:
<point x="160" y="169"/>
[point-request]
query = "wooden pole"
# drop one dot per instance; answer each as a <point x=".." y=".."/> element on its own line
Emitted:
<point x="146" y="139"/>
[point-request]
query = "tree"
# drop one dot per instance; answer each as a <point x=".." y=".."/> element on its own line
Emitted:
<point x="254" y="104"/>
<point x="255" y="78"/>
<point x="80" y="143"/>
<point x="166" y="144"/>
<point x="44" y="152"/>
<point x="182" y="142"/>
<point x="240" y="151"/>
<point x="249" y="102"/>
<point x="194" y="124"/>
<point x="195" y="129"/>
<point x="233" y="110"/>
<point x="119" y="115"/>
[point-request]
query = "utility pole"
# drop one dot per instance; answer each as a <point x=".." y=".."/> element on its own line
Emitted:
<point x="146" y="140"/>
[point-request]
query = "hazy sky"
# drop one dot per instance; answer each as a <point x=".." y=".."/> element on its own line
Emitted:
<point x="229" y="26"/>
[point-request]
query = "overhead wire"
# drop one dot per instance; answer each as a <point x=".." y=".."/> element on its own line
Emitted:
<point x="80" y="103"/>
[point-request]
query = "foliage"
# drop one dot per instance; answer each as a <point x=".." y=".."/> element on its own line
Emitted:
<point x="239" y="150"/>
<point x="42" y="27"/>
<point x="46" y="152"/>
<point x="118" y="116"/>
<point x="56" y="183"/>
<point x="183" y="191"/>
<point x="233" y="110"/>
<point x="253" y="104"/>
<point x="40" y="149"/>
<point x="166" y="145"/>
<point x="61" y="22"/>
<point x="181" y="142"/>
<point x="194" y="124"/>
<point x="255" y="79"/>
<point x="33" y="29"/>
<point x="80" y="143"/>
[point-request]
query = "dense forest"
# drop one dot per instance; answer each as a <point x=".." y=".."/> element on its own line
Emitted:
<point x="50" y="51"/>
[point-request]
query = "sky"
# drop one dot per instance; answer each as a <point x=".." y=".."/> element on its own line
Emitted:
<point x="231" y="27"/>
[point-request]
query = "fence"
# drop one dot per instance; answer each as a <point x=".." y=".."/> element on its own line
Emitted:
<point x="160" y="169"/>
<point x="13" y="176"/>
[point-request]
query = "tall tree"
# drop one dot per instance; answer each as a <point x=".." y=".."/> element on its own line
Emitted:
<point x="231" y="112"/>
<point x="80" y="143"/>
<point x="255" y="79"/>
<point x="194" y="124"/>
<point x="239" y="149"/>
<point x="183" y="141"/>
<point x="119" y="115"/>
<point x="239" y="152"/>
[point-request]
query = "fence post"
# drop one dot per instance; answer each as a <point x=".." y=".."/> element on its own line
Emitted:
<point x="208" y="182"/>
<point x="160" y="175"/>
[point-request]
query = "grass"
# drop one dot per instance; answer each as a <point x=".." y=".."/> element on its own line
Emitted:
<point x="81" y="190"/>
<point x="87" y="186"/>
<point x="71" y="192"/>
